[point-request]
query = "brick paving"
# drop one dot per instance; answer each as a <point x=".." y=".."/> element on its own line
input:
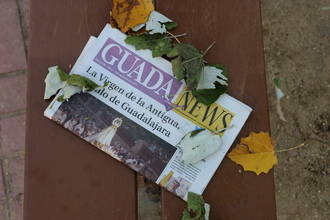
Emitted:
<point x="12" y="92"/>
<point x="13" y="38"/>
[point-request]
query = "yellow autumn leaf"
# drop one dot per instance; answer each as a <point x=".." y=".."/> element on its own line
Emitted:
<point x="129" y="13"/>
<point x="255" y="153"/>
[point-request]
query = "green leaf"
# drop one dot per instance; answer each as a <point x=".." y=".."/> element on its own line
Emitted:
<point x="188" y="64"/>
<point x="191" y="61"/>
<point x="196" y="204"/>
<point x="186" y="215"/>
<point x="170" y="25"/>
<point x="157" y="23"/>
<point x="177" y="68"/>
<point x="210" y="75"/>
<point x="225" y="71"/>
<point x="70" y="90"/>
<point x="162" y="47"/>
<point x="188" y="51"/>
<point x="174" y="52"/>
<point x="213" y="82"/>
<point x="159" y="44"/>
<point x="209" y="96"/>
<point x="193" y="69"/>
<point x="82" y="82"/>
<point x="278" y="91"/>
<point x="63" y="76"/>
<point x="276" y="82"/>
<point x="195" y="132"/>
<point x="140" y="42"/>
<point x="105" y="84"/>
<point x="61" y="98"/>
<point x="70" y="84"/>
<point x="195" y="209"/>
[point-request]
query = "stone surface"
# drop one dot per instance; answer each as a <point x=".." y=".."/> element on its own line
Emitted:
<point x="24" y="11"/>
<point x="149" y="205"/>
<point x="3" y="206"/>
<point x="12" y="133"/>
<point x="14" y="178"/>
<point x="297" y="51"/>
<point x="13" y="183"/>
<point x="12" y="93"/>
<point x="11" y="45"/>
<point x="12" y="102"/>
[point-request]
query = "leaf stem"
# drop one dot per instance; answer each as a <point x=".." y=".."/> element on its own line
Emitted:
<point x="199" y="57"/>
<point x="208" y="48"/>
<point x="292" y="148"/>
<point x="222" y="129"/>
<point x="194" y="58"/>
<point x="176" y="36"/>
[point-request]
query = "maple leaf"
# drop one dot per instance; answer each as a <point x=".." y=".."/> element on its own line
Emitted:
<point x="129" y="14"/>
<point x="159" y="44"/>
<point x="255" y="153"/>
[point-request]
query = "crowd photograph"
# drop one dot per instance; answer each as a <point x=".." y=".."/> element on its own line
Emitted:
<point x="114" y="134"/>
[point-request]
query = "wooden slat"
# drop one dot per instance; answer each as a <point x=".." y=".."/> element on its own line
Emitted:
<point x="66" y="178"/>
<point x="236" y="27"/>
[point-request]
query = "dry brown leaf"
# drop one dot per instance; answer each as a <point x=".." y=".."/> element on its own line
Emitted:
<point x="255" y="153"/>
<point x="129" y="13"/>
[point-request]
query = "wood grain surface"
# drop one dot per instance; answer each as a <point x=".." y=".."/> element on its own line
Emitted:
<point x="66" y="178"/>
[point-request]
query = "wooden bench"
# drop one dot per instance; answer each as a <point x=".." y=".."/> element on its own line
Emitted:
<point x="67" y="179"/>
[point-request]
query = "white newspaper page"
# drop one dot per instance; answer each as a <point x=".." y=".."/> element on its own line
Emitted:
<point x="143" y="113"/>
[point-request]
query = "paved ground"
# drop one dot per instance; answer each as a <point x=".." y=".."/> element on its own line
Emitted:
<point x="12" y="108"/>
<point x="297" y="51"/>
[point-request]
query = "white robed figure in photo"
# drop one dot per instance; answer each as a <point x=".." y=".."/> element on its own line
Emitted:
<point x="104" y="138"/>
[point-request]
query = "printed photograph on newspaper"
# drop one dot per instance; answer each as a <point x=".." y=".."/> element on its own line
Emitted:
<point x="115" y="134"/>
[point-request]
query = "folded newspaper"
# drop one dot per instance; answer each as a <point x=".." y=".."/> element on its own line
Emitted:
<point x="143" y="112"/>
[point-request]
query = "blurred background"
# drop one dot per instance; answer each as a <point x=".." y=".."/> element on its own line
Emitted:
<point x="297" y="55"/>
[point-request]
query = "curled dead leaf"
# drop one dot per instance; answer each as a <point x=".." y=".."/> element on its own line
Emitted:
<point x="197" y="146"/>
<point x="130" y="13"/>
<point x="255" y="153"/>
